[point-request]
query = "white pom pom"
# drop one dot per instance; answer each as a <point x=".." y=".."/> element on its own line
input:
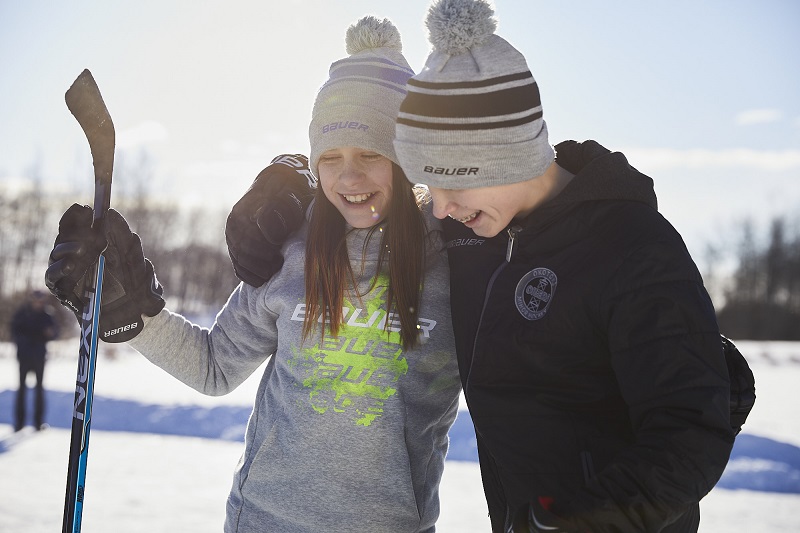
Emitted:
<point x="454" y="26"/>
<point x="369" y="32"/>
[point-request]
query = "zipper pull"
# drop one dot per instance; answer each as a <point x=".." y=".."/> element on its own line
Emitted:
<point x="512" y="234"/>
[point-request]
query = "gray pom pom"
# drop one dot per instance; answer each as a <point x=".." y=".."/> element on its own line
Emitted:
<point x="454" y="26"/>
<point x="369" y="32"/>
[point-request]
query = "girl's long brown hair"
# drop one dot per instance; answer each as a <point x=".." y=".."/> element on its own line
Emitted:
<point x="327" y="267"/>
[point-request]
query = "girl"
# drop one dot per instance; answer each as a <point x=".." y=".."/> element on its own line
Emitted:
<point x="349" y="427"/>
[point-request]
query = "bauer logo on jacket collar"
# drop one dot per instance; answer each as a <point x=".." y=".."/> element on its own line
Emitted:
<point x="535" y="292"/>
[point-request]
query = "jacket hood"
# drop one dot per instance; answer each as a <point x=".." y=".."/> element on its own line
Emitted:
<point x="600" y="175"/>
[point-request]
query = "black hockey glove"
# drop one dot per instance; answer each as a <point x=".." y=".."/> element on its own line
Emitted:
<point x="536" y="518"/>
<point x="273" y="208"/>
<point x="573" y="156"/>
<point x="130" y="287"/>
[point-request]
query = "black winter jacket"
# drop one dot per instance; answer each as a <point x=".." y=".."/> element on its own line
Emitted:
<point x="590" y="356"/>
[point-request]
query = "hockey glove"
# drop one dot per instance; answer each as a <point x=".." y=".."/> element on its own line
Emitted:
<point x="273" y="208"/>
<point x="574" y="156"/>
<point x="130" y="287"/>
<point x="536" y="518"/>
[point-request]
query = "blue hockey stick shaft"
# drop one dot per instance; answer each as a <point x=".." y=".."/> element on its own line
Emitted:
<point x="84" y="396"/>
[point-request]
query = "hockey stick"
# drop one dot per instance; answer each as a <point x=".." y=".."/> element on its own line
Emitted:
<point x="86" y="104"/>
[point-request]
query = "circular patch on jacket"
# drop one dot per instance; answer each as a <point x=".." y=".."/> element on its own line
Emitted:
<point x="535" y="292"/>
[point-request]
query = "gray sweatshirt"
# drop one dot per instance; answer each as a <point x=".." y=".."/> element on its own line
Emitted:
<point x="347" y="433"/>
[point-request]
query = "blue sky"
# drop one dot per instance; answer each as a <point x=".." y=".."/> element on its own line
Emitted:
<point x="701" y="96"/>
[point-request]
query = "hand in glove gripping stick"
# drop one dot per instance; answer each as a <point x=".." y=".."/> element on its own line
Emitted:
<point x="130" y="287"/>
<point x="273" y="208"/>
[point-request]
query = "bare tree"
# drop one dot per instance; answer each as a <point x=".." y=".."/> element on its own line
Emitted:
<point x="186" y="247"/>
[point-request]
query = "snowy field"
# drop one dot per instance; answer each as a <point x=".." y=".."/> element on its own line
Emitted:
<point x="162" y="456"/>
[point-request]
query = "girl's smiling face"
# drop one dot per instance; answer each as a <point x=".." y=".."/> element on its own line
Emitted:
<point x="358" y="183"/>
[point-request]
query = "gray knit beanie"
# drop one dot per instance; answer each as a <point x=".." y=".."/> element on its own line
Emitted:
<point x="358" y="104"/>
<point x="472" y="116"/>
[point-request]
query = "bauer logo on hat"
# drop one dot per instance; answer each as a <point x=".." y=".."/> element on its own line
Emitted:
<point x="474" y="105"/>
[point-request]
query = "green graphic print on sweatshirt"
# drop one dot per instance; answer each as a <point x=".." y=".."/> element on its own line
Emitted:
<point x="356" y="371"/>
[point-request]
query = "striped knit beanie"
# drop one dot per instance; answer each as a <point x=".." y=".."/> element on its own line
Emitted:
<point x="358" y="104"/>
<point x="472" y="116"/>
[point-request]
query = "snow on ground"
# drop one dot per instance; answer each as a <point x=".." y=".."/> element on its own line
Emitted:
<point x="147" y="479"/>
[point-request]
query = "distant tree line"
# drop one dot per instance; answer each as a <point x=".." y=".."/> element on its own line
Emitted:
<point x="762" y="298"/>
<point x="187" y="248"/>
<point x="759" y="298"/>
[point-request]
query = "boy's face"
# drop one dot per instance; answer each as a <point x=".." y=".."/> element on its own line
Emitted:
<point x="487" y="210"/>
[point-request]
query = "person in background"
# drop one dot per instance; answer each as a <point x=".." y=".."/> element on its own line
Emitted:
<point x="349" y="426"/>
<point x="32" y="326"/>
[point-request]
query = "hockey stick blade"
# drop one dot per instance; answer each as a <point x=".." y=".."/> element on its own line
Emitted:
<point x="84" y="101"/>
<point x="86" y="104"/>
